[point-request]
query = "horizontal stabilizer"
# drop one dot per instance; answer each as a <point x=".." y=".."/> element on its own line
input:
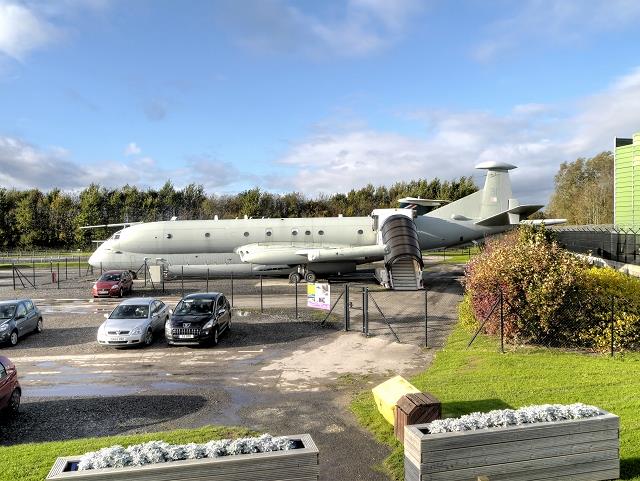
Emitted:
<point x="503" y="217"/>
<point x="544" y="221"/>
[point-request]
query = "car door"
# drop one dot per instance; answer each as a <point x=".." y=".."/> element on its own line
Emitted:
<point x="21" y="319"/>
<point x="5" y="388"/>
<point x="32" y="315"/>
<point x="155" y="316"/>
<point x="223" y="312"/>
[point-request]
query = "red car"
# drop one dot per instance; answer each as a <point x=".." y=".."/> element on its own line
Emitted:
<point x="113" y="284"/>
<point x="10" y="390"/>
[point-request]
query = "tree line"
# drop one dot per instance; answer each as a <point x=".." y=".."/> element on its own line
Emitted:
<point x="584" y="191"/>
<point x="36" y="219"/>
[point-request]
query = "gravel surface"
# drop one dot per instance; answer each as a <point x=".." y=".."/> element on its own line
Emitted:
<point x="270" y="373"/>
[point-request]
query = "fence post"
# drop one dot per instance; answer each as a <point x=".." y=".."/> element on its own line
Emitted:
<point x="33" y="272"/>
<point x="231" y="288"/>
<point x="58" y="276"/>
<point x="207" y="279"/>
<point x="182" y="281"/>
<point x="426" y="318"/>
<point x="261" y="304"/>
<point x="13" y="274"/>
<point x="297" y="297"/>
<point x="79" y="271"/>
<point x="613" y="300"/>
<point x="346" y="307"/>
<point x="145" y="272"/>
<point x="59" y="267"/>
<point x="66" y="268"/>
<point x="501" y="323"/>
<point x="365" y="311"/>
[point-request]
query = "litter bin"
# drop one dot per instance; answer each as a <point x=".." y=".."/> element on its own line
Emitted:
<point x="415" y="408"/>
<point x="389" y="392"/>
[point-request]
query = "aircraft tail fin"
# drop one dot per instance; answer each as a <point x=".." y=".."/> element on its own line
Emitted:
<point x="496" y="194"/>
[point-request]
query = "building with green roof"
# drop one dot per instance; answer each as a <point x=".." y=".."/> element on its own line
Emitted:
<point x="626" y="200"/>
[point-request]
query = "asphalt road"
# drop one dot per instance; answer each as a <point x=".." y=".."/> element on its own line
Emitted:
<point x="271" y="373"/>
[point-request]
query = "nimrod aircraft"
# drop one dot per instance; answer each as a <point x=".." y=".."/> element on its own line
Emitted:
<point x="304" y="248"/>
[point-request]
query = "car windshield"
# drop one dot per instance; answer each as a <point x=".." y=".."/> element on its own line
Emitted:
<point x="7" y="311"/>
<point x="194" y="306"/>
<point x="130" y="311"/>
<point x="109" y="277"/>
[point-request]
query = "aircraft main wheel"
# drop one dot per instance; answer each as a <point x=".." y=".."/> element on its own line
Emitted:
<point x="294" y="278"/>
<point x="310" y="277"/>
<point x="13" y="338"/>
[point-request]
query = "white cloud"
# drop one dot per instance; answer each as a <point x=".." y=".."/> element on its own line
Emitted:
<point x="360" y="28"/>
<point x="554" y="22"/>
<point x="22" y="30"/>
<point x="132" y="149"/>
<point x="535" y="137"/>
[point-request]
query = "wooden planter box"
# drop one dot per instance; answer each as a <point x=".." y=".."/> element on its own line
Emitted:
<point x="578" y="449"/>
<point x="296" y="464"/>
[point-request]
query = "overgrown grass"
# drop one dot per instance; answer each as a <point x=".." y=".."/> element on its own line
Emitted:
<point x="32" y="462"/>
<point x="481" y="378"/>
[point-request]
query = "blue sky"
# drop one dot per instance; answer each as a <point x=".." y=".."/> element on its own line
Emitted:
<point x="310" y="96"/>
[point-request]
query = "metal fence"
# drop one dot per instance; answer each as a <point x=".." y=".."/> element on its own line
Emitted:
<point x="608" y="325"/>
<point x="609" y="242"/>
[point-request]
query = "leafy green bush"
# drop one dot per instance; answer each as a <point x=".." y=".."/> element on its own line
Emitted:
<point x="549" y="295"/>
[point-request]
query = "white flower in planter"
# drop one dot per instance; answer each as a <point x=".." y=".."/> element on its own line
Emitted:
<point x="511" y="417"/>
<point x="159" y="452"/>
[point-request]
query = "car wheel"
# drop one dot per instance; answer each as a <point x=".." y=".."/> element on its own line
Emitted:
<point x="14" y="402"/>
<point x="120" y="292"/>
<point x="229" y="324"/>
<point x="13" y="338"/>
<point x="148" y="338"/>
<point x="39" y="326"/>
<point x="216" y="337"/>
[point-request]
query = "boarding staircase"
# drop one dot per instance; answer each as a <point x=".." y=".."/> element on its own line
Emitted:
<point x="403" y="261"/>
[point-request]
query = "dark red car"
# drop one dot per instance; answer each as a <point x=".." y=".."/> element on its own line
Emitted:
<point x="113" y="284"/>
<point x="10" y="390"/>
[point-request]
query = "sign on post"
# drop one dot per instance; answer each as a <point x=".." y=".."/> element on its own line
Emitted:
<point x="319" y="296"/>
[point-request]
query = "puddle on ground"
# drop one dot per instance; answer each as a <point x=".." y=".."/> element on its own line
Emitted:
<point x="79" y="390"/>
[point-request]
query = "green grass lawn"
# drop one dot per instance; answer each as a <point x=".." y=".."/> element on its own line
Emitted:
<point x="32" y="462"/>
<point x="481" y="378"/>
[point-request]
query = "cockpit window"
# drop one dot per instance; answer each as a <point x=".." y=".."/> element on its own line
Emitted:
<point x="110" y="277"/>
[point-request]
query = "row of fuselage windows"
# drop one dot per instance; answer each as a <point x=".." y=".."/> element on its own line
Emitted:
<point x="269" y="233"/>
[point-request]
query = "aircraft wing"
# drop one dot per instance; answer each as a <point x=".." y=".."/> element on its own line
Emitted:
<point x="123" y="224"/>
<point x="503" y="217"/>
<point x="269" y="254"/>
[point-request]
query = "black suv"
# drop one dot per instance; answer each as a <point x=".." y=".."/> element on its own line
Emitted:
<point x="199" y="319"/>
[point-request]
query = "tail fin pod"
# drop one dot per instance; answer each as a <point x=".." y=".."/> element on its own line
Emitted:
<point x="496" y="194"/>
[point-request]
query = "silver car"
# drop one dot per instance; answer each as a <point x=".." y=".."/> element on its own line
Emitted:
<point x="134" y="321"/>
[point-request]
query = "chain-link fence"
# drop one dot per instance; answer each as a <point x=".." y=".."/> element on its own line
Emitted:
<point x="608" y="324"/>
<point x="610" y="242"/>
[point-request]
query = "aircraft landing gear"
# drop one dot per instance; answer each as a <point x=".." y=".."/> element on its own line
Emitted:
<point x="294" y="278"/>
<point x="303" y="273"/>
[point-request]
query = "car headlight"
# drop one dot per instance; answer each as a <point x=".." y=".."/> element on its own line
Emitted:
<point x="208" y="325"/>
<point x="4" y="327"/>
<point x="136" y="330"/>
<point x="114" y="288"/>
